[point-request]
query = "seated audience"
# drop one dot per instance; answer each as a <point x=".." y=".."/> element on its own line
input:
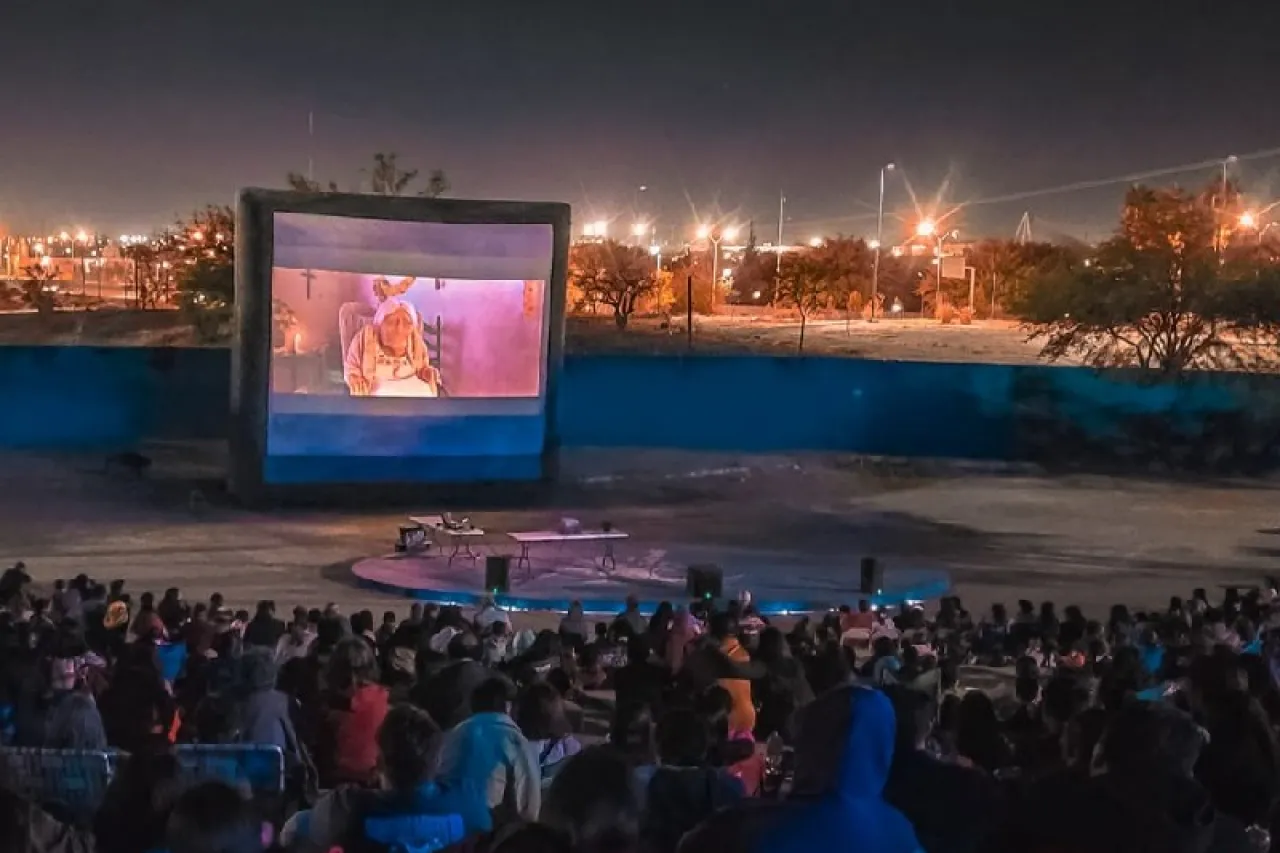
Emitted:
<point x="354" y="706"/>
<point x="488" y="751"/>
<point x="408" y="803"/>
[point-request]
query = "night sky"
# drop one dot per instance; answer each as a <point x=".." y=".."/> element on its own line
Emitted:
<point x="119" y="115"/>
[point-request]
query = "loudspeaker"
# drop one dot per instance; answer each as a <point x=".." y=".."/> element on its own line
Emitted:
<point x="704" y="581"/>
<point x="497" y="573"/>
<point x="870" y="576"/>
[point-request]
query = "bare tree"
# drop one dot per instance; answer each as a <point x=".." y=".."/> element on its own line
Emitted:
<point x="613" y="274"/>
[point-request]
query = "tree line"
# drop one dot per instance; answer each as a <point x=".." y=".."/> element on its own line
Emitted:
<point x="836" y="275"/>
<point x="1189" y="280"/>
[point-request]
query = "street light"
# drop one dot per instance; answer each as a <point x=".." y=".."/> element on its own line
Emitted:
<point x="929" y="228"/>
<point x="1248" y="219"/>
<point x="875" y="264"/>
<point x="815" y="242"/>
<point x="656" y="251"/>
<point x="81" y="237"/>
<point x="715" y="234"/>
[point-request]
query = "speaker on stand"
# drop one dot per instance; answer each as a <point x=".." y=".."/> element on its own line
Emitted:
<point x="870" y="576"/>
<point x="497" y="573"/>
<point x="704" y="582"/>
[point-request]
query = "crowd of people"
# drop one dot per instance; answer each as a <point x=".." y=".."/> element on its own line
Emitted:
<point x="697" y="728"/>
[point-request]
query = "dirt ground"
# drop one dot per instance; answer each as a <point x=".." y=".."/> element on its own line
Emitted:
<point x="995" y="342"/>
<point x="773" y="521"/>
<point x="912" y="339"/>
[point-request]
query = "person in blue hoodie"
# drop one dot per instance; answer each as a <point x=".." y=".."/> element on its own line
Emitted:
<point x="411" y="809"/>
<point x="844" y="750"/>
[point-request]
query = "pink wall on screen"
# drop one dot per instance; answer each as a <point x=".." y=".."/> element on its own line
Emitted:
<point x="492" y="330"/>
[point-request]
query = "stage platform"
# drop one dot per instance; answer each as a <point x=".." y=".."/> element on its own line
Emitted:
<point x="779" y="586"/>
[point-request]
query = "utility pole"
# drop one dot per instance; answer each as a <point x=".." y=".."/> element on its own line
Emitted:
<point x="311" y="139"/>
<point x="1023" y="235"/>
<point x="782" y="203"/>
<point x="875" y="264"/>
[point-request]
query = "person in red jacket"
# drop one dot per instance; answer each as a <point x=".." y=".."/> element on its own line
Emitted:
<point x="355" y="706"/>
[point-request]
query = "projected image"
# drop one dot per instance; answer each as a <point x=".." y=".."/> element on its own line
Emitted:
<point x="415" y="343"/>
<point x="383" y="335"/>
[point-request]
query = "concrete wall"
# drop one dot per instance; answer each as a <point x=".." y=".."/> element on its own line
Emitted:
<point x="104" y="397"/>
<point x="84" y="397"/>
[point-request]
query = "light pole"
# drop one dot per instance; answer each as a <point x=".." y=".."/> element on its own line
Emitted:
<point x="1250" y="220"/>
<point x="640" y="230"/>
<point x="81" y="237"/>
<point x="1220" y="237"/>
<point x="875" y="264"/>
<point x="714" y="234"/>
<point x="929" y="228"/>
<point x="782" y="206"/>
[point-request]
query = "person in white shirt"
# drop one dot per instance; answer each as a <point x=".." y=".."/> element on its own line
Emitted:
<point x="489" y="614"/>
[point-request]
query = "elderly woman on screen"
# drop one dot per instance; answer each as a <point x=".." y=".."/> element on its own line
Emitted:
<point x="389" y="358"/>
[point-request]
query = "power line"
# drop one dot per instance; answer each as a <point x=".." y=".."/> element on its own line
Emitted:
<point x="1123" y="179"/>
<point x="1078" y="186"/>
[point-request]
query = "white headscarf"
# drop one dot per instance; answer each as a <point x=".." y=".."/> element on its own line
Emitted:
<point x="390" y="306"/>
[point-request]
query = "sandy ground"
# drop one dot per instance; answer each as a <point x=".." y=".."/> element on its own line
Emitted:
<point x="997" y="342"/>
<point x="1089" y="541"/>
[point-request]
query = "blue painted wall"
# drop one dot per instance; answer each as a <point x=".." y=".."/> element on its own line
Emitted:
<point x="82" y="397"/>
<point x="86" y="397"/>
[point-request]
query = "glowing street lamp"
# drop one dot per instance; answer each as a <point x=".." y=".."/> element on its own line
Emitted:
<point x="875" y="244"/>
<point x="639" y="229"/>
<point x="715" y="234"/>
<point x="815" y="242"/>
<point x="929" y="228"/>
<point x="1248" y="219"/>
<point x="656" y="251"/>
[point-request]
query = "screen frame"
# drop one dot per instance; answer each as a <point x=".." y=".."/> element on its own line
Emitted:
<point x="256" y="211"/>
